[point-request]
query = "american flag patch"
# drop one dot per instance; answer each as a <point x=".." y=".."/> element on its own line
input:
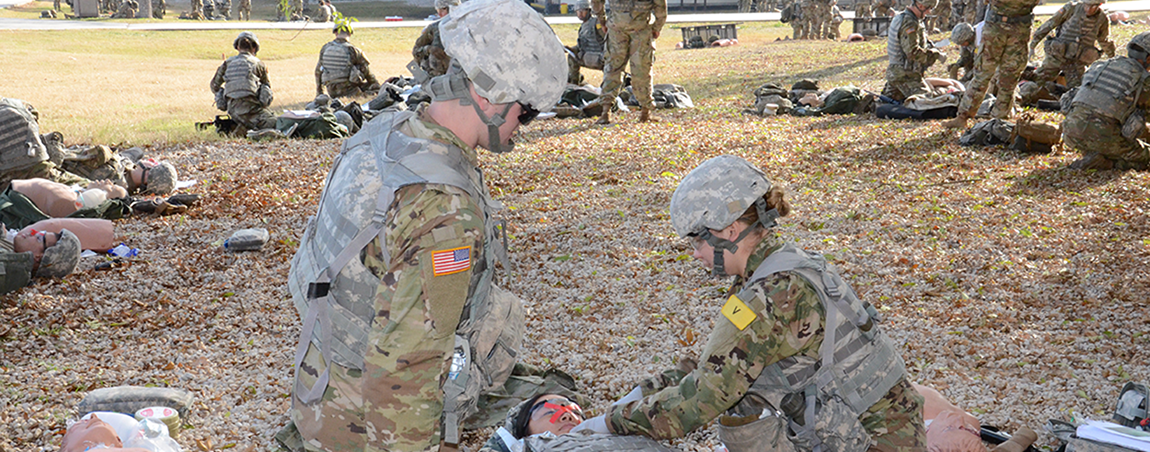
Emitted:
<point x="451" y="261"/>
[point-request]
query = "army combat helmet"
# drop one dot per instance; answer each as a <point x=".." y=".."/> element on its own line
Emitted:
<point x="161" y="178"/>
<point x="60" y="259"/>
<point x="250" y="38"/>
<point x="962" y="33"/>
<point x="446" y="4"/>
<point x="1139" y="47"/>
<point x="582" y="4"/>
<point x="716" y="194"/>
<point x="508" y="53"/>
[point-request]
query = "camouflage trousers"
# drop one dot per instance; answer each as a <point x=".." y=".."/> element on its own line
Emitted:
<point x="895" y="421"/>
<point x="629" y="38"/>
<point x="940" y="16"/>
<point x="250" y="113"/>
<point x="800" y="29"/>
<point x="1002" y="58"/>
<point x="901" y="83"/>
<point x="862" y="11"/>
<point x="245" y="10"/>
<point x="813" y="20"/>
<point x="1053" y="64"/>
<point x="1091" y="133"/>
<point x="43" y="170"/>
<point x="348" y="89"/>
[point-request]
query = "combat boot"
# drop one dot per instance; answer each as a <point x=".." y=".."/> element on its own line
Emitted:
<point x="604" y="118"/>
<point x="646" y="116"/>
<point x="958" y="122"/>
<point x="1022" y="439"/>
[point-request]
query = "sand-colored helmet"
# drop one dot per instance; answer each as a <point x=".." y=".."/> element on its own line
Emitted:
<point x="60" y="259"/>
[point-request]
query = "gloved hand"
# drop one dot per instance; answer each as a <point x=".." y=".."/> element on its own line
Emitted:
<point x="597" y="424"/>
<point x="632" y="396"/>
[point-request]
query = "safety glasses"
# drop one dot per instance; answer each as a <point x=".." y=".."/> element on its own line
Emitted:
<point x="555" y="409"/>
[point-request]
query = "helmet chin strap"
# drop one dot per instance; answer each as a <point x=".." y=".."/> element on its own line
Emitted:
<point x="494" y="143"/>
<point x="766" y="219"/>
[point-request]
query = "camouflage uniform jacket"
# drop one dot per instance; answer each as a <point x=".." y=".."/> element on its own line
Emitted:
<point x="908" y="49"/>
<point x="100" y="163"/>
<point x="396" y="402"/>
<point x="1094" y="31"/>
<point x="628" y="11"/>
<point x="429" y="52"/>
<point x="790" y="321"/>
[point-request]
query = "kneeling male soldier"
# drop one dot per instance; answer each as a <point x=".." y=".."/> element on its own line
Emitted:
<point x="402" y="326"/>
<point x="1107" y="118"/>
<point x="242" y="88"/>
<point x="1079" y="26"/>
<point x="342" y="68"/>
<point x="909" y="53"/>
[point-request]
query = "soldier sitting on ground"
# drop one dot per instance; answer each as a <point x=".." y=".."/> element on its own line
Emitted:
<point x="1107" y="118"/>
<point x="242" y="88"/>
<point x="909" y="53"/>
<point x="342" y="68"/>
<point x="588" y="53"/>
<point x="430" y="59"/>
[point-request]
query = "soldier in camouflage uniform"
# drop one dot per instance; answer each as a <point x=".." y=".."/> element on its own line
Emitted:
<point x="962" y="36"/>
<point x="342" y="68"/>
<point x="778" y="344"/>
<point x="631" y="36"/>
<point x="588" y="53"/>
<point x="244" y="10"/>
<point x="863" y="9"/>
<point x="25" y="153"/>
<point x="383" y="302"/>
<point x="811" y="19"/>
<point x="884" y="8"/>
<point x="940" y="16"/>
<point x="242" y="88"/>
<point x="835" y="23"/>
<point x="32" y="253"/>
<point x="909" y="53"/>
<point x="430" y="59"/>
<point x="197" y="12"/>
<point x="1001" y="57"/>
<point x="1107" y="118"/>
<point x="794" y="15"/>
<point x="1079" y="25"/>
<point x="135" y="174"/>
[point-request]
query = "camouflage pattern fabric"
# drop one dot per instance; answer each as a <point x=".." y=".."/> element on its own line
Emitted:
<point x="965" y="62"/>
<point x="911" y="58"/>
<point x="362" y="86"/>
<point x="1001" y="57"/>
<point x="1090" y="132"/>
<point x="247" y="111"/>
<point x="197" y="10"/>
<point x="821" y="18"/>
<point x="396" y="402"/>
<point x="883" y="8"/>
<point x="790" y="322"/>
<point x="630" y="37"/>
<point x="245" y="10"/>
<point x="863" y="10"/>
<point x="1067" y="59"/>
<point x="429" y="53"/>
<point x="43" y="170"/>
<point x="99" y="163"/>
<point x="810" y="13"/>
<point x="591" y="57"/>
<point x="940" y="16"/>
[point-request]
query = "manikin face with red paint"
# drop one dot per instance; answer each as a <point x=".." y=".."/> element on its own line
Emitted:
<point x="554" y="413"/>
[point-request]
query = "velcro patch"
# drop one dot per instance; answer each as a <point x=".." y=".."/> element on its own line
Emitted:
<point x="738" y="313"/>
<point x="451" y="261"/>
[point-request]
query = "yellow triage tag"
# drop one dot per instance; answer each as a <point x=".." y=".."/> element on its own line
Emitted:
<point x="738" y="313"/>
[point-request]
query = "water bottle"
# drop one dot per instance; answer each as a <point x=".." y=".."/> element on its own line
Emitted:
<point x="247" y="240"/>
<point x="123" y="250"/>
<point x="794" y="406"/>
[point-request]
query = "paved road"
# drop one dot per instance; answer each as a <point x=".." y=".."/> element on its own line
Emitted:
<point x="46" y="24"/>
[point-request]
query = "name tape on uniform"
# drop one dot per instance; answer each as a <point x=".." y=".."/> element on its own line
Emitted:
<point x="738" y="313"/>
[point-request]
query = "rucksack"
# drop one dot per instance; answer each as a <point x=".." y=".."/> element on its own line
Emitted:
<point x="21" y="146"/>
<point x="1034" y="136"/>
<point x="987" y="133"/>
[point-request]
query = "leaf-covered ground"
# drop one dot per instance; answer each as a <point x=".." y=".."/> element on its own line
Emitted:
<point x="1015" y="286"/>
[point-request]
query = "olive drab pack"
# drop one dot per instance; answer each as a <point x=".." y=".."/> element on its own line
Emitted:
<point x="20" y="143"/>
<point x="333" y="291"/>
<point x="856" y="367"/>
<point x="240" y="77"/>
<point x="1111" y="87"/>
<point x="335" y="62"/>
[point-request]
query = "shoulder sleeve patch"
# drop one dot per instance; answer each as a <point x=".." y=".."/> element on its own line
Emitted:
<point x="451" y="261"/>
<point x="738" y="312"/>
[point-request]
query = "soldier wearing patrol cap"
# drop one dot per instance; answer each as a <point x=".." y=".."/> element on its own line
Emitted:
<point x="793" y="337"/>
<point x="242" y="88"/>
<point x="342" y="68"/>
<point x="909" y="53"/>
<point x="1079" y="27"/>
<point x="589" y="50"/>
<point x="1107" y="118"/>
<point x="402" y="326"/>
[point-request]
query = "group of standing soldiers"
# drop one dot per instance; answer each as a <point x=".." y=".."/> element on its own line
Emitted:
<point x="817" y="19"/>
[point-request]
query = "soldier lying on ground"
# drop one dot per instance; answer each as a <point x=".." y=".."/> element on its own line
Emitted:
<point x="94" y="434"/>
<point x="32" y="252"/>
<point x="550" y="413"/>
<point x="126" y="169"/>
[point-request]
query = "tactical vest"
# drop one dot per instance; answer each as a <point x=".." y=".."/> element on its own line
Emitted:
<point x="632" y="6"/>
<point x="333" y="291"/>
<point x="20" y="144"/>
<point x="894" y="53"/>
<point x="590" y="41"/>
<point x="335" y="62"/>
<point x="1080" y="29"/>
<point x="240" y="78"/>
<point x="857" y="363"/>
<point x="1111" y="87"/>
